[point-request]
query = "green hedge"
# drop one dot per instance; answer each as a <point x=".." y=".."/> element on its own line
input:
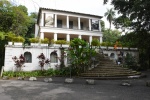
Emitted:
<point x="50" y="72"/>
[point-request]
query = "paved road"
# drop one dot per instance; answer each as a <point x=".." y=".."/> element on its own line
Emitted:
<point x="79" y="90"/>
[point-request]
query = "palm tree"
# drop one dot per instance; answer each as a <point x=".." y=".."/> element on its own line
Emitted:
<point x="105" y="1"/>
<point x="110" y="16"/>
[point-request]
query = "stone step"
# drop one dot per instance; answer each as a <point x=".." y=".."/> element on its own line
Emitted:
<point x="108" y="68"/>
<point x="109" y="74"/>
<point x="111" y="71"/>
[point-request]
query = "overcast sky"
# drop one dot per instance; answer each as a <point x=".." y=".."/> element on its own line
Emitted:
<point x="95" y="7"/>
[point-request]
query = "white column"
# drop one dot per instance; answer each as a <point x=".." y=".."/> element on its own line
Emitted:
<point x="42" y="35"/>
<point x="42" y="20"/>
<point x="68" y="37"/>
<point x="79" y="26"/>
<point x="55" y="20"/>
<point x="79" y="36"/>
<point x="89" y="24"/>
<point x="55" y="36"/>
<point x="100" y="39"/>
<point x="67" y="22"/>
<point x="100" y="26"/>
<point x="90" y="39"/>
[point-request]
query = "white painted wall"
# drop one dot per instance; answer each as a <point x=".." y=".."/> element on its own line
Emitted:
<point x="11" y="51"/>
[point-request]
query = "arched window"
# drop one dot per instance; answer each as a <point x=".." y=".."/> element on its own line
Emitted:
<point x="112" y="55"/>
<point x="28" y="57"/>
<point x="53" y="57"/>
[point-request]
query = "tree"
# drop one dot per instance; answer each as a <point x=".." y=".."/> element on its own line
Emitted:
<point x="19" y="62"/>
<point x="80" y="54"/>
<point x="110" y="16"/>
<point x="136" y="14"/>
<point x="43" y="61"/>
<point x="102" y="25"/>
<point x="105" y="1"/>
<point x="13" y="18"/>
<point x="31" y="28"/>
<point x="111" y="35"/>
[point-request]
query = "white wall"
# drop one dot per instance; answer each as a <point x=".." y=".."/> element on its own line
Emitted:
<point x="35" y="51"/>
<point x="11" y="51"/>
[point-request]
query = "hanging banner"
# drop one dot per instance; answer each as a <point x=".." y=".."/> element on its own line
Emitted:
<point x="95" y="25"/>
<point x="49" y="20"/>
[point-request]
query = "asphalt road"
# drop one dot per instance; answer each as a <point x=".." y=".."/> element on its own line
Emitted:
<point x="79" y="90"/>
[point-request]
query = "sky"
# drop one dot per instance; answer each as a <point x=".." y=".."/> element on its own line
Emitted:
<point x="95" y="7"/>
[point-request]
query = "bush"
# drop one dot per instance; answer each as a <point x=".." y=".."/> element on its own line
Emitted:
<point x="50" y="72"/>
<point x="45" y="40"/>
<point x="61" y="42"/>
<point x="95" y="42"/>
<point x="34" y="40"/>
<point x="10" y="36"/>
<point x="18" y="39"/>
<point x="2" y="35"/>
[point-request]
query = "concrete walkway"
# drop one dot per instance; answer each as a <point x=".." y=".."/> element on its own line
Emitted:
<point x="79" y="90"/>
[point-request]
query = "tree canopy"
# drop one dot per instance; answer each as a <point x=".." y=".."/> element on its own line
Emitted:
<point x="14" y="18"/>
<point x="110" y="16"/>
<point x="135" y="15"/>
<point x="111" y="35"/>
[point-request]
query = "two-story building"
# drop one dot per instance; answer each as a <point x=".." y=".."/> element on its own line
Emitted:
<point x="54" y="25"/>
<point x="59" y="25"/>
<point x="66" y="25"/>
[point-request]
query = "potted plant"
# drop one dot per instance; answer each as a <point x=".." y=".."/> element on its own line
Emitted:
<point x="45" y="42"/>
<point x="18" y="40"/>
<point x="95" y="42"/>
<point x="62" y="43"/>
<point x="10" y="37"/>
<point x="34" y="41"/>
<point x="103" y="45"/>
<point x="119" y="45"/>
<point x="124" y="46"/>
<point x="110" y="45"/>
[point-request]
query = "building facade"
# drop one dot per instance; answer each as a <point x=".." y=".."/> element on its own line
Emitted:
<point x="66" y="25"/>
<point x="57" y="25"/>
<point x="54" y="25"/>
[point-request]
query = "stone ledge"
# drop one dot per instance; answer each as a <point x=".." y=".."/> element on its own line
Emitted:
<point x="32" y="79"/>
<point x="90" y="81"/>
<point x="69" y="80"/>
<point x="48" y="80"/>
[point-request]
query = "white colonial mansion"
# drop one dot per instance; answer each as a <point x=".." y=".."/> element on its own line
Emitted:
<point x="66" y="25"/>
<point x="56" y="25"/>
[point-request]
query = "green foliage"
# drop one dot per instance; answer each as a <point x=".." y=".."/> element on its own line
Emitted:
<point x="110" y="16"/>
<point x="31" y="28"/>
<point x="18" y="39"/>
<point x="34" y="40"/>
<point x="135" y="15"/>
<point x="107" y="44"/>
<point x="102" y="25"/>
<point x="130" y="62"/>
<point x="61" y="42"/>
<point x="80" y="54"/>
<point x="13" y="18"/>
<point x="111" y="35"/>
<point x="2" y="36"/>
<point x="50" y="72"/>
<point x="45" y="40"/>
<point x="10" y="36"/>
<point x="95" y="42"/>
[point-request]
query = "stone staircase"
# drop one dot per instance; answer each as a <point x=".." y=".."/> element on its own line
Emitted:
<point x="107" y="69"/>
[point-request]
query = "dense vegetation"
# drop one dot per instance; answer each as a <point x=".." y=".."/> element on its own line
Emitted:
<point x="14" y="19"/>
<point x="134" y="15"/>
